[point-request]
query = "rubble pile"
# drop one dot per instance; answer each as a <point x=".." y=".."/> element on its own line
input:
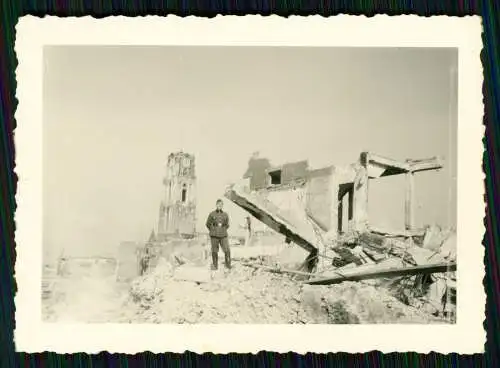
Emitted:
<point x="180" y="291"/>
<point x="432" y="292"/>
<point x="244" y="296"/>
<point x="253" y="295"/>
<point x="263" y="289"/>
<point x="356" y="303"/>
<point x="147" y="288"/>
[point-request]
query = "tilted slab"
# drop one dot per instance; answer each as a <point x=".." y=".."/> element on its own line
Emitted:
<point x="298" y="231"/>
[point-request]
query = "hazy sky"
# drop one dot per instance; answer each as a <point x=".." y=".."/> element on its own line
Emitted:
<point x="113" y="114"/>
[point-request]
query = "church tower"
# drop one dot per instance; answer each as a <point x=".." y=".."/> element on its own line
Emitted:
<point x="178" y="209"/>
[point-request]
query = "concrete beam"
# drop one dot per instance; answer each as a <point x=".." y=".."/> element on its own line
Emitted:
<point x="434" y="163"/>
<point x="272" y="216"/>
<point x="382" y="272"/>
<point x="385" y="162"/>
<point x="379" y="163"/>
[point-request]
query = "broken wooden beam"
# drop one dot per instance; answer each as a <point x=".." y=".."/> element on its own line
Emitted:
<point x="272" y="216"/>
<point x="376" y="272"/>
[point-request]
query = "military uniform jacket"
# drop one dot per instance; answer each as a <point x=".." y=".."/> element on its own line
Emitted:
<point x="217" y="224"/>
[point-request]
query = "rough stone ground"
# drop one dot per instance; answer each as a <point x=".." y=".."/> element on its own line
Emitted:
<point x="245" y="295"/>
<point x="85" y="299"/>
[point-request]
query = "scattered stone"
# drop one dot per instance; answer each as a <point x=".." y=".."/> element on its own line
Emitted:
<point x="434" y="237"/>
<point x="245" y="295"/>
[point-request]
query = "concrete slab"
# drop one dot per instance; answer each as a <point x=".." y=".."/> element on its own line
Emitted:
<point x="298" y="231"/>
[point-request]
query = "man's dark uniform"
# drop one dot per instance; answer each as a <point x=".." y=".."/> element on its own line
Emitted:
<point x="217" y="224"/>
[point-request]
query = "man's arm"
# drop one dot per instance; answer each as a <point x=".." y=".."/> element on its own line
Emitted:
<point x="209" y="221"/>
<point x="227" y="221"/>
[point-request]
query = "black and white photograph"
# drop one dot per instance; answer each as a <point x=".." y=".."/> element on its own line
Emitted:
<point x="250" y="184"/>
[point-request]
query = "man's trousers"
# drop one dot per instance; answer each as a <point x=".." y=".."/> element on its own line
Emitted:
<point x="224" y="244"/>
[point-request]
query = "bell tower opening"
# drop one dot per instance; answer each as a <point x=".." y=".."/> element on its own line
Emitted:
<point x="184" y="194"/>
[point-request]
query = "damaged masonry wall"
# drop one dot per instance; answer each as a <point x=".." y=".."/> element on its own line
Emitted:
<point x="322" y="192"/>
<point x="354" y="249"/>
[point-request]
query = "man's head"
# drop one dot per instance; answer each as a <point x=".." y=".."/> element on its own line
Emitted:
<point x="219" y="204"/>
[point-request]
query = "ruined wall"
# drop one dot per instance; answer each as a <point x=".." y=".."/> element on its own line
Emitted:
<point x="286" y="198"/>
<point x="256" y="173"/>
<point x="346" y="186"/>
<point x="181" y="219"/>
<point x="294" y="172"/>
<point x="290" y="200"/>
<point x="319" y="197"/>
<point x="177" y="250"/>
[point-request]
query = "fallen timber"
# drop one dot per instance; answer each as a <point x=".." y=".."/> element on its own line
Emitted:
<point x="376" y="272"/>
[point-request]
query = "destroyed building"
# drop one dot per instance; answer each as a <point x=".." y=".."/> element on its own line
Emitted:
<point x="335" y="197"/>
<point x="325" y="212"/>
<point x="300" y="202"/>
<point x="177" y="215"/>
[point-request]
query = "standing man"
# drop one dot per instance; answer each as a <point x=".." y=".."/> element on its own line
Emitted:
<point x="217" y="225"/>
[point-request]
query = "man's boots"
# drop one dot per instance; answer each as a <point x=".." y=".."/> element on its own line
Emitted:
<point x="227" y="259"/>
<point x="215" y="260"/>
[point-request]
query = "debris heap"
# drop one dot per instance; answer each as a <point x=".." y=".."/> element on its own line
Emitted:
<point x="415" y="265"/>
<point x="420" y="272"/>
<point x="253" y="295"/>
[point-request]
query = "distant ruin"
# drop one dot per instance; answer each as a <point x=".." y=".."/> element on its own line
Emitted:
<point x="177" y="217"/>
